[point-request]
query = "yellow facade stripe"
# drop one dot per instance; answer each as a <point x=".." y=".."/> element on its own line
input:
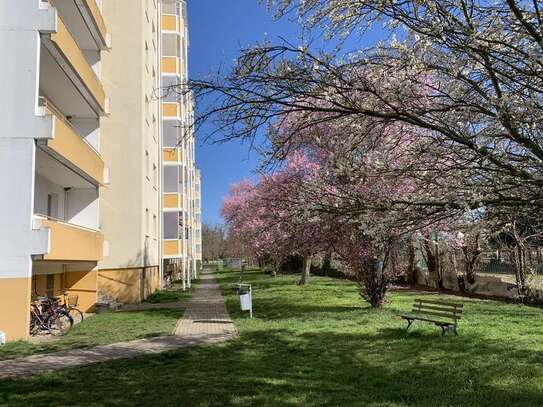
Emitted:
<point x="170" y="109"/>
<point x="15" y="295"/>
<point x="171" y="201"/>
<point x="170" y="154"/>
<point x="73" y="243"/>
<point x="171" y="247"/>
<point x="68" y="47"/>
<point x="169" y="65"/>
<point x="97" y="17"/>
<point x="169" y="22"/>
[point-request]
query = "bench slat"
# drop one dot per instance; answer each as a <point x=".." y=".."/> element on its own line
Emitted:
<point x="436" y="308"/>
<point x="450" y="304"/>
<point x="437" y="314"/>
<point x="427" y="319"/>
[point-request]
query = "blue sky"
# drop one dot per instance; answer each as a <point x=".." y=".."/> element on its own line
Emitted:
<point x="217" y="30"/>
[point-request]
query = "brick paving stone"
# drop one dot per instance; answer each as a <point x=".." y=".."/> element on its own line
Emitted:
<point x="205" y="321"/>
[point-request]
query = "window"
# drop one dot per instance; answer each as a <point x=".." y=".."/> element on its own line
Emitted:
<point x="147" y="165"/>
<point x="170" y="178"/>
<point x="170" y="220"/>
<point x="170" y="45"/>
<point x="155" y="225"/>
<point x="169" y="133"/>
<point x="169" y="6"/>
<point x="155" y="176"/>
<point x="170" y="91"/>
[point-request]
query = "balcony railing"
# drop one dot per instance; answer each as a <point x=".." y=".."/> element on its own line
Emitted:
<point x="170" y="22"/>
<point x="170" y="154"/>
<point x="172" y="248"/>
<point x="170" y="109"/>
<point x="68" y="242"/>
<point x="95" y="21"/>
<point x="70" y="148"/>
<point x="67" y="54"/>
<point x="170" y="65"/>
<point x="171" y="201"/>
<point x="93" y="18"/>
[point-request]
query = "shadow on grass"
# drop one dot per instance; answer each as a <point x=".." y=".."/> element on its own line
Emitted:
<point x="101" y="330"/>
<point x="282" y="368"/>
<point x="305" y="348"/>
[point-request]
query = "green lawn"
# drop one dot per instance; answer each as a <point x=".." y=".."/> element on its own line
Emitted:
<point x="320" y="345"/>
<point x="111" y="327"/>
<point x="171" y="294"/>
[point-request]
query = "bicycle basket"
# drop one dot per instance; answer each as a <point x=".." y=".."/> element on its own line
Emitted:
<point x="72" y="300"/>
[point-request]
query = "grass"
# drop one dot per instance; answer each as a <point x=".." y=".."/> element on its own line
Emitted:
<point x="320" y="345"/>
<point x="171" y="294"/>
<point x="101" y="329"/>
<point x="111" y="327"/>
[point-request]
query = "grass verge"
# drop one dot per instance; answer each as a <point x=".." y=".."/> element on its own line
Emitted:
<point x="320" y="345"/>
<point x="107" y="328"/>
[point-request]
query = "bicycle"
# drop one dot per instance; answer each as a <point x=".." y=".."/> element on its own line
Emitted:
<point x="47" y="315"/>
<point x="69" y="304"/>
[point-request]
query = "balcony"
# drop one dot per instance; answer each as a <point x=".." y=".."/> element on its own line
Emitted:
<point x="170" y="22"/>
<point x="85" y="21"/>
<point x="67" y="146"/>
<point x="172" y="248"/>
<point x="65" y="59"/>
<point x="68" y="242"/>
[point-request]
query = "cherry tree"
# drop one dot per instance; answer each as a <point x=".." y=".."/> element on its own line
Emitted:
<point x="268" y="218"/>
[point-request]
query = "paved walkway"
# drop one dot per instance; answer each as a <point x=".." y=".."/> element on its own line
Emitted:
<point x="206" y="320"/>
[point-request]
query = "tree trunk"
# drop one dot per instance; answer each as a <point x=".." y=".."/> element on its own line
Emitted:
<point x="306" y="269"/>
<point x="431" y="249"/>
<point x="411" y="269"/>
<point x="327" y="264"/>
<point x="275" y="268"/>
<point x="519" y="263"/>
<point x="373" y="284"/>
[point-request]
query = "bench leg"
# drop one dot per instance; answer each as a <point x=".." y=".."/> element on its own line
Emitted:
<point x="409" y="322"/>
<point x="454" y="330"/>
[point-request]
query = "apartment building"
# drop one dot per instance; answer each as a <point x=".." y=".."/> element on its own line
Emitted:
<point x="181" y="201"/>
<point x="52" y="170"/>
<point x="130" y="206"/>
<point x="89" y="205"/>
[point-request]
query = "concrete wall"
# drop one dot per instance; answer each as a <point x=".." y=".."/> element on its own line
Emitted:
<point x="484" y="285"/>
<point x="128" y="286"/>
<point x="20" y="23"/>
<point x="129" y="210"/>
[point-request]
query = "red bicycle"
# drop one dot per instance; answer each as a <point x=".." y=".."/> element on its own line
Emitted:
<point x="47" y="315"/>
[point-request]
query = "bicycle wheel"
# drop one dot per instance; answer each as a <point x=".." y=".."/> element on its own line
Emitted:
<point x="60" y="324"/>
<point x="77" y="315"/>
<point x="34" y="325"/>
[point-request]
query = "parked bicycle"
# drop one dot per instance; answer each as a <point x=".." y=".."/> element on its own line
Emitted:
<point x="69" y="304"/>
<point x="47" y="315"/>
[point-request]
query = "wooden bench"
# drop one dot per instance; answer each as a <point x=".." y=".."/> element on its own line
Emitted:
<point x="441" y="313"/>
